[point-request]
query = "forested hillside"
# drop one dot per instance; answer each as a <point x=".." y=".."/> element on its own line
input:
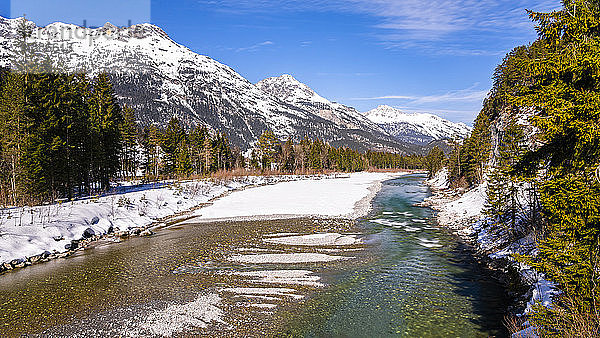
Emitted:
<point x="160" y="79"/>
<point x="536" y="146"/>
<point x="65" y="135"/>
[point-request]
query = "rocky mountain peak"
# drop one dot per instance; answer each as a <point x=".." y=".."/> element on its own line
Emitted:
<point x="287" y="88"/>
<point x="419" y="128"/>
<point x="161" y="79"/>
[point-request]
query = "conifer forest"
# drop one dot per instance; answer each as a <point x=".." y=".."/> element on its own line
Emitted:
<point x="544" y="111"/>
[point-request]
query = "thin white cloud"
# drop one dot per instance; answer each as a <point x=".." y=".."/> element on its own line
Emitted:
<point x="462" y="95"/>
<point x="387" y="97"/>
<point x="466" y="95"/>
<point x="255" y="47"/>
<point x="452" y="26"/>
<point x="436" y="111"/>
<point x="439" y="26"/>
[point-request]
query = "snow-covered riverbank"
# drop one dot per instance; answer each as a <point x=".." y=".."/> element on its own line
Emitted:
<point x="463" y="212"/>
<point x="32" y="234"/>
<point x="347" y="197"/>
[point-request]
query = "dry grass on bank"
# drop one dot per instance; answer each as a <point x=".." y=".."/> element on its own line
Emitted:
<point x="562" y="319"/>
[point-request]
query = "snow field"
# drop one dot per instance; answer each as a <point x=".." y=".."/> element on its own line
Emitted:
<point x="347" y="197"/>
<point x="330" y="239"/>
<point x="31" y="231"/>
<point x="291" y="258"/>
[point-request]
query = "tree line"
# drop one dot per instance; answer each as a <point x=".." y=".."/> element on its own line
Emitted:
<point x="543" y="176"/>
<point x="59" y="135"/>
<point x="315" y="155"/>
<point x="66" y="135"/>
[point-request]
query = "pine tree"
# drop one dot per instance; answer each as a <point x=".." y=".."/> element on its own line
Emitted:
<point x="314" y="155"/>
<point x="503" y="204"/>
<point x="173" y="136"/>
<point x="128" y="130"/>
<point x="222" y="153"/>
<point x="254" y="160"/>
<point x="288" y="156"/>
<point x="267" y="145"/>
<point x="105" y="136"/>
<point x="302" y="150"/>
<point x="183" y="166"/>
<point x="562" y="84"/>
<point x="476" y="150"/>
<point x="12" y="134"/>
<point x="42" y="146"/>
<point x="196" y="139"/>
<point x="454" y="161"/>
<point x="150" y="140"/>
<point x="207" y="153"/>
<point x="434" y="161"/>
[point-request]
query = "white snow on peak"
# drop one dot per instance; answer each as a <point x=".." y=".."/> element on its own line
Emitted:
<point x="287" y="88"/>
<point x="290" y="90"/>
<point x="146" y="50"/>
<point x="429" y="126"/>
<point x="161" y="78"/>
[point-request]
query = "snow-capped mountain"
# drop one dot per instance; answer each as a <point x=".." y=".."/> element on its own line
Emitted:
<point x="292" y="91"/>
<point x="416" y="128"/>
<point x="160" y="79"/>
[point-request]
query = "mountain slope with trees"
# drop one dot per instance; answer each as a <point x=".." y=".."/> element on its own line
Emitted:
<point x="536" y="148"/>
<point x="65" y="135"/>
<point x="161" y="79"/>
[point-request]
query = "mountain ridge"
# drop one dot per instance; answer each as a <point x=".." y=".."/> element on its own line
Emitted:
<point x="417" y="128"/>
<point x="292" y="91"/>
<point x="160" y="79"/>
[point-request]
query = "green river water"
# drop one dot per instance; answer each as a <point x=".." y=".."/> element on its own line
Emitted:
<point x="407" y="278"/>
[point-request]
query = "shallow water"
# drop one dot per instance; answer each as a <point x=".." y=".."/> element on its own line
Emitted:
<point x="407" y="278"/>
<point x="422" y="283"/>
<point x="110" y="289"/>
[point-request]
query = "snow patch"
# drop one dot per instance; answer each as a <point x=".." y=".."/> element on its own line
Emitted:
<point x="440" y="180"/>
<point x="291" y="258"/>
<point x="327" y="198"/>
<point x="30" y="231"/>
<point x="329" y="239"/>
<point x="264" y="291"/>
<point x="468" y="206"/>
<point x="297" y="277"/>
<point x="180" y="318"/>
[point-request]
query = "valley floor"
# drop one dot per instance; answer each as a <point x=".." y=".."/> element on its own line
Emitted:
<point x="319" y="274"/>
<point x="32" y="234"/>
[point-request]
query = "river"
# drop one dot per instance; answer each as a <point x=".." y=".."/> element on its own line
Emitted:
<point x="404" y="277"/>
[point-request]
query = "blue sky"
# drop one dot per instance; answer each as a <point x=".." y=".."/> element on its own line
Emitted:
<point x="420" y="56"/>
